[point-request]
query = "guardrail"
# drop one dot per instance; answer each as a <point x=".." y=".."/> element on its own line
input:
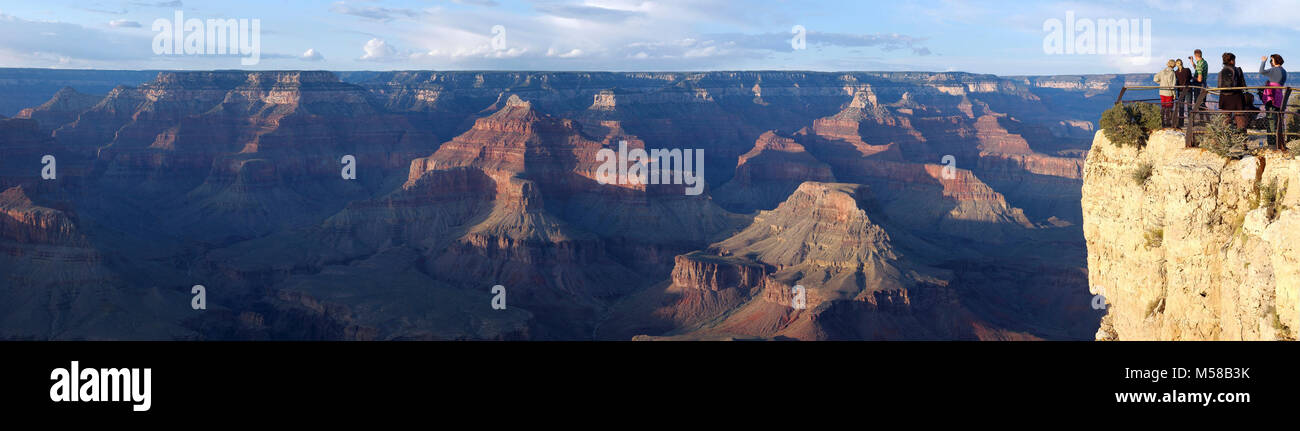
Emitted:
<point x="1193" y="115"/>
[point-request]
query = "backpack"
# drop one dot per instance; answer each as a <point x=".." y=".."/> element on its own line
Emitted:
<point x="1247" y="98"/>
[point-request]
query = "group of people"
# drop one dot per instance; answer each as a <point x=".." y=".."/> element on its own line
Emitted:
<point x="1187" y="84"/>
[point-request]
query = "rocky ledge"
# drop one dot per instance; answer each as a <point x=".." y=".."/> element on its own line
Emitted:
<point x="1186" y="245"/>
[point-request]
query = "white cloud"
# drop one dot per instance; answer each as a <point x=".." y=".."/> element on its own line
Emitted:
<point x="508" y="53"/>
<point x="601" y="34"/>
<point x="122" y="23"/>
<point x="311" y="55"/>
<point x="706" y="51"/>
<point x="573" y="53"/>
<point x="378" y="50"/>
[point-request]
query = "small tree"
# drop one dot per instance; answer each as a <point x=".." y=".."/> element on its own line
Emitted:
<point x="1130" y="125"/>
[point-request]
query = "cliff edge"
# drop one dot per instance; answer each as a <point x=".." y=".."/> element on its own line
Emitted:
<point x="1184" y="244"/>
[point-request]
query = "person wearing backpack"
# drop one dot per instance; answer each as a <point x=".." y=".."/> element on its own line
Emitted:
<point x="1166" y="80"/>
<point x="1233" y="100"/>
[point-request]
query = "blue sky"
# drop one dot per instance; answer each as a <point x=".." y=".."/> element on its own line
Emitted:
<point x="1001" y="37"/>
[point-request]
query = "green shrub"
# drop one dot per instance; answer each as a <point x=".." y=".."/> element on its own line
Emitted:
<point x="1147" y="115"/>
<point x="1143" y="173"/>
<point x="1222" y="137"/>
<point x="1154" y="237"/>
<point x="1129" y="135"/>
<point x="1114" y="116"/>
<point x="1283" y="331"/>
<point x="1270" y="198"/>
<point x="1239" y="221"/>
<point x="1131" y="124"/>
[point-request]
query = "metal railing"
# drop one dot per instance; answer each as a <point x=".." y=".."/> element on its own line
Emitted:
<point x="1193" y="116"/>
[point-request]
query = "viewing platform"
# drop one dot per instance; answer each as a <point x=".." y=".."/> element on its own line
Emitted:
<point x="1193" y="116"/>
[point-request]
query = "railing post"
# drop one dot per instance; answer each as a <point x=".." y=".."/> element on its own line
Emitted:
<point x="1197" y="112"/>
<point x="1281" y="119"/>
<point x="1278" y="132"/>
<point x="1190" y="105"/>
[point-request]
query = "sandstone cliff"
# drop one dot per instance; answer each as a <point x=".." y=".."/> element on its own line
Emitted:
<point x="1203" y="249"/>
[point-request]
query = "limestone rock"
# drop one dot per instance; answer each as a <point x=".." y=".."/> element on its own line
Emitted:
<point x="1193" y="252"/>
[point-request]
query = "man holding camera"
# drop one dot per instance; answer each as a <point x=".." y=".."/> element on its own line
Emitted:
<point x="1200" y="71"/>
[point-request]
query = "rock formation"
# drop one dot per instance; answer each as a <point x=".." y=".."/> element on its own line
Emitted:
<point x="61" y="109"/>
<point x="769" y="172"/>
<point x="816" y="267"/>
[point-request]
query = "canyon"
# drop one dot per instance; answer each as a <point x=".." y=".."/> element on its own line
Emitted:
<point x="907" y="205"/>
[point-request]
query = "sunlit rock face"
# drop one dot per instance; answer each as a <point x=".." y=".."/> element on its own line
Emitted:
<point x="1191" y="253"/>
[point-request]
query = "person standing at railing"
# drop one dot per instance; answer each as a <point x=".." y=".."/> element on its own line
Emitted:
<point x="1183" y="80"/>
<point x="1200" y="75"/>
<point x="1166" y="80"/>
<point x="1276" y="75"/>
<point x="1233" y="100"/>
<point x="1273" y="99"/>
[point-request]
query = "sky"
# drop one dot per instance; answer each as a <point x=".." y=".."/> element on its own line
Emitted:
<point x="999" y="37"/>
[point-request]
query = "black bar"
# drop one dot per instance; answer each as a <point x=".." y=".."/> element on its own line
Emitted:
<point x="451" y="380"/>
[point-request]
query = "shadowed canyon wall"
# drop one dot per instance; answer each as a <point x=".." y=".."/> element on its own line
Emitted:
<point x="836" y="206"/>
